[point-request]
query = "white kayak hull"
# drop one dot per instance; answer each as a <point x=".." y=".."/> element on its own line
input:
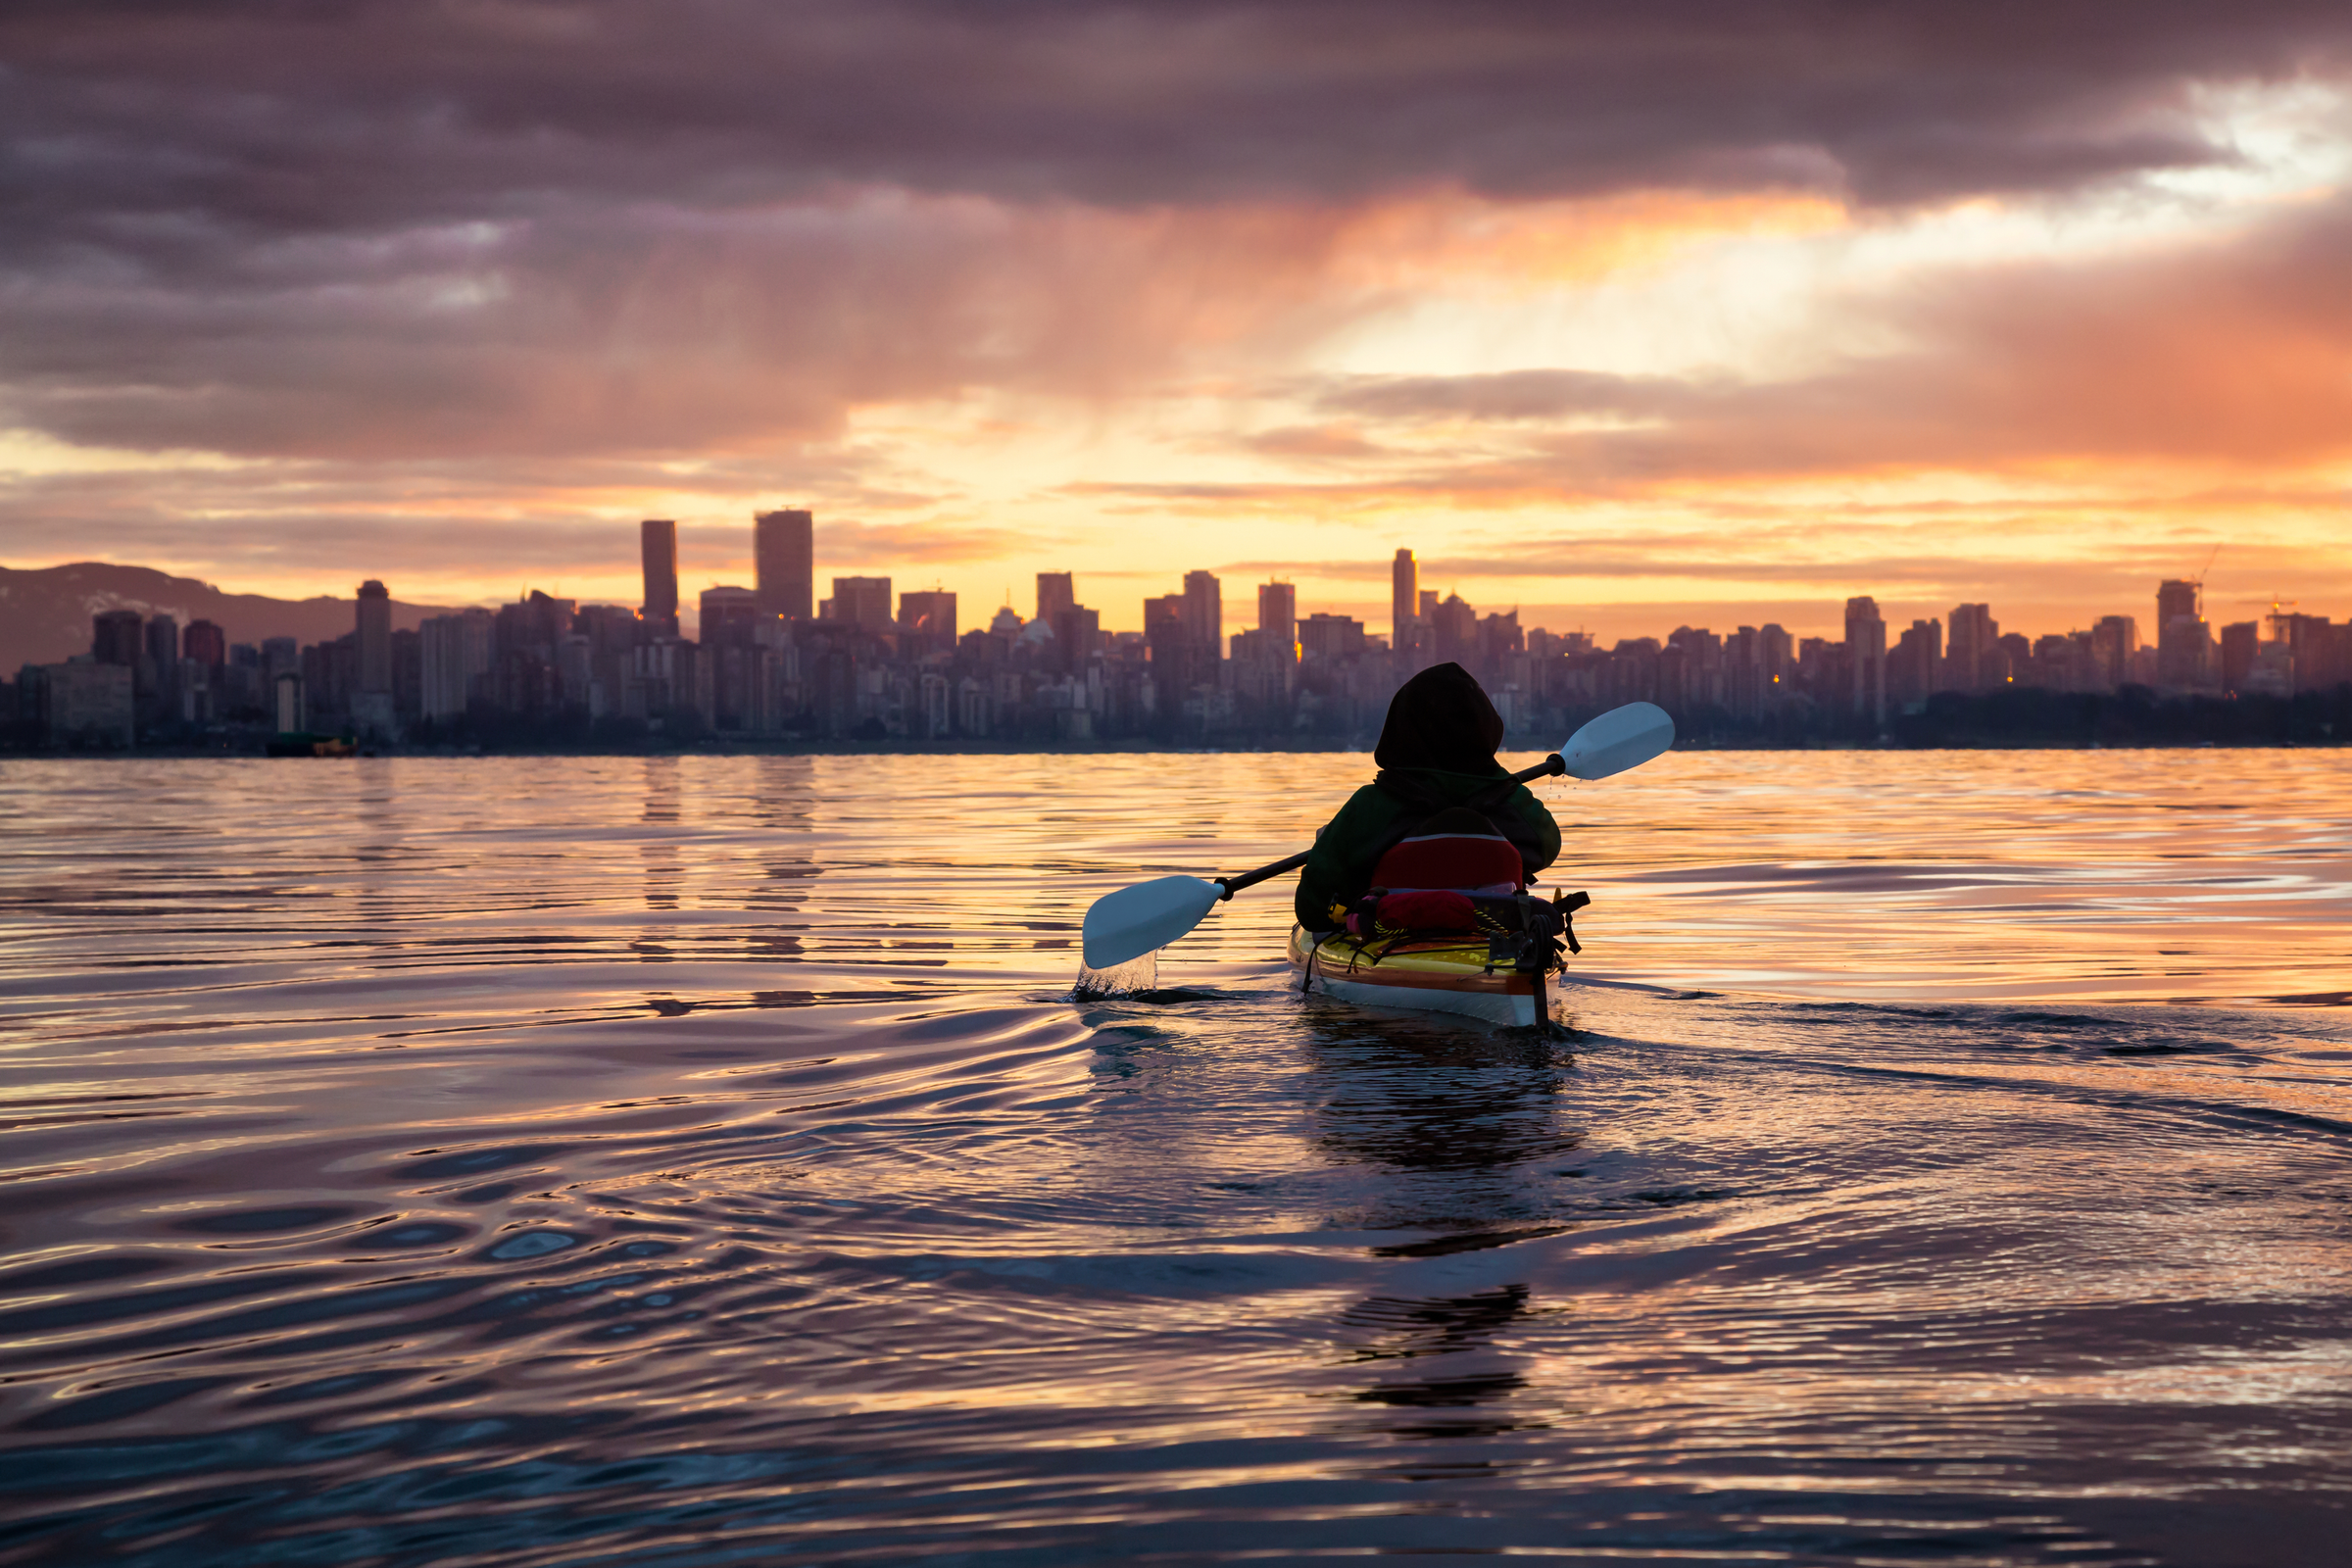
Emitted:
<point x="1453" y="981"/>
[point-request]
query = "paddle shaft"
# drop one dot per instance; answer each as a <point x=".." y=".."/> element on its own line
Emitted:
<point x="1248" y="879"/>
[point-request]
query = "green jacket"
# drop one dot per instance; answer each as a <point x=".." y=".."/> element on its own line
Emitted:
<point x="1339" y="868"/>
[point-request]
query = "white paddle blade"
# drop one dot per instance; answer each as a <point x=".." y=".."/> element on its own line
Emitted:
<point x="1133" y="922"/>
<point x="1619" y="739"/>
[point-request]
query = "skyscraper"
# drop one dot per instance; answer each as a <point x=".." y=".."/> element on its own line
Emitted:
<point x="929" y="614"/>
<point x="1404" y="603"/>
<point x="206" y="643"/>
<point x="863" y="602"/>
<point x="1056" y="593"/>
<point x="1974" y="638"/>
<point x="1203" y="612"/>
<point x="784" y="559"/>
<point x="1866" y="646"/>
<point x="116" y="636"/>
<point x="2183" y="641"/>
<point x="454" y="650"/>
<point x="1278" y="619"/>
<point x="660" y="537"/>
<point x="376" y="637"/>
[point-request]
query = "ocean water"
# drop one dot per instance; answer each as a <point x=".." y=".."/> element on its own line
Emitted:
<point x="685" y="1161"/>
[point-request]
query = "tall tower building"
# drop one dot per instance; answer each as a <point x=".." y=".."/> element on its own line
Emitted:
<point x="1866" y="647"/>
<point x="2183" y="643"/>
<point x="1203" y="612"/>
<point x="375" y="637"/>
<point x="929" y="614"/>
<point x="117" y="637"/>
<point x="1404" y="601"/>
<point x="1056" y="592"/>
<point x="659" y="537"/>
<point x="784" y="562"/>
<point x="1974" y="639"/>
<point x="206" y="643"/>
<point x="1278" y="619"/>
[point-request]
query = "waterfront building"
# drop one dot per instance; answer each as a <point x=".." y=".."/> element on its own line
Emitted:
<point x="1404" y="603"/>
<point x="81" y="704"/>
<point x="1329" y="637"/>
<point x="1974" y="636"/>
<point x="2115" y="650"/>
<point x="205" y="643"/>
<point x="2183" y="645"/>
<point x="1278" y="619"/>
<point x="658" y="539"/>
<point x="863" y="601"/>
<point x="1056" y="591"/>
<point x="117" y="636"/>
<point x="1866" y="655"/>
<point x="927" y="621"/>
<point x="374" y="629"/>
<point x="454" y="651"/>
<point x="784" y="561"/>
<point x="1203" y="612"/>
<point x="292" y="712"/>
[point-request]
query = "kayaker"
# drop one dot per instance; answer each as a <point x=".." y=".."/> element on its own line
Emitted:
<point x="1436" y="755"/>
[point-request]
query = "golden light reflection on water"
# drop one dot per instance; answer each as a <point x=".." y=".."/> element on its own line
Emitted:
<point x="656" y="1160"/>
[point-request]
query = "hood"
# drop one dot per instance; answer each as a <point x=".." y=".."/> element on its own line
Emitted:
<point x="1441" y="718"/>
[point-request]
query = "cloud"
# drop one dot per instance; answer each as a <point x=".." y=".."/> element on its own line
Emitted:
<point x="381" y="114"/>
<point x="2232" y="354"/>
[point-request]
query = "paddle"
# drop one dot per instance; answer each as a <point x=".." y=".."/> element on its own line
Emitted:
<point x="1127" y="925"/>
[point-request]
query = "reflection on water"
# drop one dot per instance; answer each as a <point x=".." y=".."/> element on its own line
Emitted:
<point x="696" y="1160"/>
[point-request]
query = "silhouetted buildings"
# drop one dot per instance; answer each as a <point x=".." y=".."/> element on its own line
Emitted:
<point x="547" y="671"/>
<point x="784" y="562"/>
<point x="1866" y="657"/>
<point x="659" y="544"/>
<point x="1404" y="603"/>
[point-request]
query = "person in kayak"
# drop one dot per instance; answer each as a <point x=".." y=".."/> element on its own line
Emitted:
<point x="1436" y="756"/>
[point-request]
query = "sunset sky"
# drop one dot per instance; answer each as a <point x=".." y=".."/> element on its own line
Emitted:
<point x="1630" y="315"/>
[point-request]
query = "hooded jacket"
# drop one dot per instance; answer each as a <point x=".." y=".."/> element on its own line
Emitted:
<point x="1437" y="749"/>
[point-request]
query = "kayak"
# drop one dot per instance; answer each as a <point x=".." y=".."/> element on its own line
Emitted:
<point x="1435" y="975"/>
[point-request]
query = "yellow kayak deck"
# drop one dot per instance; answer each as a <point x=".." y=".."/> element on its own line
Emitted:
<point x="1430" y="977"/>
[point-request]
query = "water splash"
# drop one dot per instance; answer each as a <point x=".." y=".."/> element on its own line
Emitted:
<point x="1120" y="980"/>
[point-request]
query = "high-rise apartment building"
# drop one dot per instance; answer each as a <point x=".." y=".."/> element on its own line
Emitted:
<point x="117" y="636"/>
<point x="1056" y="591"/>
<point x="1404" y="603"/>
<point x="2114" y="644"/>
<point x="1203" y="612"/>
<point x="1970" y="649"/>
<point x="1165" y="608"/>
<point x="2183" y="643"/>
<point x="1866" y="650"/>
<point x="206" y="643"/>
<point x="863" y="602"/>
<point x="452" y="650"/>
<point x="374" y="630"/>
<point x="1915" y="665"/>
<point x="723" y="608"/>
<point x="784" y="562"/>
<point x="928" y="613"/>
<point x="1278" y="619"/>
<point x="659" y="537"/>
<point x="1327" y="636"/>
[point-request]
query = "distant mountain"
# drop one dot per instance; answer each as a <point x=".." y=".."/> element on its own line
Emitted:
<point x="45" y="615"/>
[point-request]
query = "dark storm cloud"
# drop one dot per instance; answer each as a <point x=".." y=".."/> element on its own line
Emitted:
<point x="283" y="117"/>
